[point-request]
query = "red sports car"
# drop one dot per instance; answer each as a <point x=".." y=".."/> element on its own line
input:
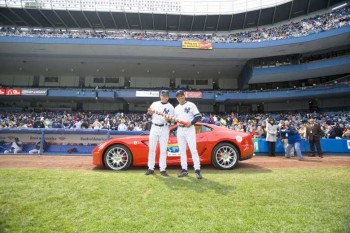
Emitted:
<point x="216" y="145"/>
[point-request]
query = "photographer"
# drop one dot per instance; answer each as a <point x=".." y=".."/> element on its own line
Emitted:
<point x="284" y="136"/>
<point x="294" y="140"/>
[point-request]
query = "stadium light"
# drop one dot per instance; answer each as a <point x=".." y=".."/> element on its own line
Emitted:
<point x="340" y="6"/>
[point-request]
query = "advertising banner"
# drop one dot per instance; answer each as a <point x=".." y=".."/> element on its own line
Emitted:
<point x="256" y="145"/>
<point x="173" y="150"/>
<point x="56" y="139"/>
<point x="82" y="141"/>
<point x="15" y="91"/>
<point x="147" y="93"/>
<point x="34" y="91"/>
<point x="194" y="94"/>
<point x="197" y="45"/>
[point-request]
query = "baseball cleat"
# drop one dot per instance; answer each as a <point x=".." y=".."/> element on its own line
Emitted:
<point x="164" y="173"/>
<point x="198" y="174"/>
<point x="149" y="172"/>
<point x="183" y="173"/>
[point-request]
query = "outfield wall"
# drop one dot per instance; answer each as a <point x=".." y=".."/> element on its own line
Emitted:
<point x="61" y="141"/>
<point x="327" y="145"/>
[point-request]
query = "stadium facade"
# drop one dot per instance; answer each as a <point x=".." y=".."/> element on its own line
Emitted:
<point x="90" y="56"/>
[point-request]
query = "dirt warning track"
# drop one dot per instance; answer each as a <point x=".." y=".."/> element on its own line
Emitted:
<point x="85" y="162"/>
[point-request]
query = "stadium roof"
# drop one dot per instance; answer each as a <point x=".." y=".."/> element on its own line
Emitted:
<point x="230" y="16"/>
<point x="183" y="7"/>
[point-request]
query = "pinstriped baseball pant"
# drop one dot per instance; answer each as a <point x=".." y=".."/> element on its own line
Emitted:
<point x="187" y="136"/>
<point x="156" y="134"/>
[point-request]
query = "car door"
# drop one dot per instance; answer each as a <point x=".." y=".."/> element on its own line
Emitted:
<point x="173" y="148"/>
<point x="202" y="139"/>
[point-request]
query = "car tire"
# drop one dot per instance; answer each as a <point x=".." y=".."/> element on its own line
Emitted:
<point x="117" y="157"/>
<point x="225" y="156"/>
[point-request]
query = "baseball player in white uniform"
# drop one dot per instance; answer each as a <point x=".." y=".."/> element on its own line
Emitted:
<point x="159" y="132"/>
<point x="16" y="147"/>
<point x="186" y="133"/>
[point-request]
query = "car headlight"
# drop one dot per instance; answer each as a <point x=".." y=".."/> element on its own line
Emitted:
<point x="239" y="138"/>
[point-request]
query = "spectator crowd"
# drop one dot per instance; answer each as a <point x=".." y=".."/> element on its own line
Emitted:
<point x="319" y="23"/>
<point x="333" y="124"/>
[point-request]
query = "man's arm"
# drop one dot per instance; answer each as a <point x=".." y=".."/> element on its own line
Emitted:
<point x="196" y="119"/>
<point x="18" y="143"/>
<point x="149" y="112"/>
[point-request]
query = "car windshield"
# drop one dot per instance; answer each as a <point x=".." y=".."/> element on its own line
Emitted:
<point x="199" y="129"/>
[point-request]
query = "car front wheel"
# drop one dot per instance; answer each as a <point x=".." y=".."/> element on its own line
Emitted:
<point x="225" y="156"/>
<point x="117" y="157"/>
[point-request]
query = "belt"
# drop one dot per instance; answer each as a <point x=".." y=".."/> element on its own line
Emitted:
<point x="184" y="126"/>
<point x="159" y="125"/>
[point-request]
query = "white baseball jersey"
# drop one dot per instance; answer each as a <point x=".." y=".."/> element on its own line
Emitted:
<point x="159" y="132"/>
<point x="187" y="135"/>
<point x="186" y="112"/>
<point x="166" y="108"/>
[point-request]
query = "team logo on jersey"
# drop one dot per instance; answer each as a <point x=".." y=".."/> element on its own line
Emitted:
<point x="187" y="110"/>
<point x="166" y="111"/>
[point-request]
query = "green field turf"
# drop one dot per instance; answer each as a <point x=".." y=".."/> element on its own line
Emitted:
<point x="241" y="200"/>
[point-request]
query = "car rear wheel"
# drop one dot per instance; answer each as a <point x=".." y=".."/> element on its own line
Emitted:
<point x="225" y="156"/>
<point x="117" y="157"/>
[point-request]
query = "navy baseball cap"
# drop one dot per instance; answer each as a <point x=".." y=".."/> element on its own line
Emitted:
<point x="164" y="92"/>
<point x="180" y="92"/>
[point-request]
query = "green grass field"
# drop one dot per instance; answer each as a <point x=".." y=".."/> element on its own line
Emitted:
<point x="241" y="200"/>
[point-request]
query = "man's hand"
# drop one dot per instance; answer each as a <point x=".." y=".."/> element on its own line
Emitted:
<point x="150" y="111"/>
<point x="188" y="124"/>
<point x="168" y="118"/>
<point x="185" y="123"/>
